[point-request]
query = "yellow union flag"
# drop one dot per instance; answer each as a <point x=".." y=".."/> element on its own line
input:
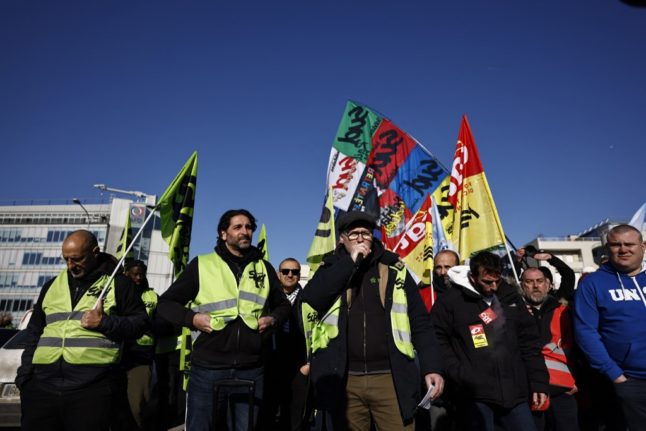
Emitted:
<point x="262" y="242"/>
<point x="126" y="239"/>
<point x="324" y="241"/>
<point x="476" y="225"/>
<point x="176" y="213"/>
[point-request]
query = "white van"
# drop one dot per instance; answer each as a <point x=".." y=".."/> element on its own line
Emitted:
<point x="10" y="355"/>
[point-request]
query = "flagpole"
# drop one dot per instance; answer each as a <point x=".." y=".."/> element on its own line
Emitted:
<point x="513" y="266"/>
<point x="132" y="243"/>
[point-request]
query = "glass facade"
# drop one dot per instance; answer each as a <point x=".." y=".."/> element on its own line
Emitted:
<point x="30" y="249"/>
<point x="31" y="237"/>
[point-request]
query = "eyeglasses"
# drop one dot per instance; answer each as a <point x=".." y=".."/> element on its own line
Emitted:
<point x="287" y="271"/>
<point x="352" y="236"/>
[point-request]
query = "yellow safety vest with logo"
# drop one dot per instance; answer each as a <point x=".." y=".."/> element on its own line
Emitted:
<point x="223" y="298"/>
<point x="63" y="334"/>
<point x="319" y="332"/>
<point x="149" y="298"/>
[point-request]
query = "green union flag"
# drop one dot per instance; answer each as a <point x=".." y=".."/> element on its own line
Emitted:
<point x="126" y="239"/>
<point x="176" y="213"/>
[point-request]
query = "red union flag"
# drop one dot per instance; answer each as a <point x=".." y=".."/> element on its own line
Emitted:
<point x="413" y="246"/>
<point x="466" y="162"/>
<point x="476" y="225"/>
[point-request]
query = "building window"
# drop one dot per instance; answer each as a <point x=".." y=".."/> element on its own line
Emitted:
<point x="42" y="279"/>
<point x="32" y="258"/>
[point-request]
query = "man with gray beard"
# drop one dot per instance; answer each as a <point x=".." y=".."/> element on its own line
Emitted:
<point x="554" y="324"/>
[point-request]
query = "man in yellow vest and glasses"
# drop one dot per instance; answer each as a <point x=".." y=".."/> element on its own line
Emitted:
<point x="231" y="297"/>
<point x="373" y="341"/>
<point x="68" y="376"/>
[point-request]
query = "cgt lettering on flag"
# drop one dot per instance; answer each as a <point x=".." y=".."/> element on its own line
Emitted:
<point x="457" y="172"/>
<point x="411" y="238"/>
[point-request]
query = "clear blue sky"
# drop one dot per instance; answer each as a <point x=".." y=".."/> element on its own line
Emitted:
<point x="121" y="93"/>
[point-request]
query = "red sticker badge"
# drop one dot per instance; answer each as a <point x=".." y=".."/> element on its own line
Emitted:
<point x="488" y="316"/>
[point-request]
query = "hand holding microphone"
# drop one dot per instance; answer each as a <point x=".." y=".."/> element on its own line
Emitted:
<point x="359" y="252"/>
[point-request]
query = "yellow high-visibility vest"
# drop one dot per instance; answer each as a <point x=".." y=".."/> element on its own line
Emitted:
<point x="223" y="298"/>
<point x="63" y="334"/>
<point x="149" y="298"/>
<point x="319" y="332"/>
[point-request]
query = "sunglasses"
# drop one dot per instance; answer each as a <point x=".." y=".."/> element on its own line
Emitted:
<point x="296" y="272"/>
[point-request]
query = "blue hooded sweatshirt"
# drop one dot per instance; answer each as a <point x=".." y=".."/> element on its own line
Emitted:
<point x="610" y="322"/>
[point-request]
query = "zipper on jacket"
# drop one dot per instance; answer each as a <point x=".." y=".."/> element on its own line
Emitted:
<point x="235" y="357"/>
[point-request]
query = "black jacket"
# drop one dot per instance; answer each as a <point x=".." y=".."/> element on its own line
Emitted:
<point x="134" y="354"/>
<point x="543" y="318"/>
<point x="329" y="366"/>
<point x="289" y="340"/>
<point x="237" y="345"/>
<point x="509" y="368"/>
<point x="128" y="323"/>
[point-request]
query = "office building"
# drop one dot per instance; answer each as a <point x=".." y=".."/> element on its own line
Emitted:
<point x="31" y="236"/>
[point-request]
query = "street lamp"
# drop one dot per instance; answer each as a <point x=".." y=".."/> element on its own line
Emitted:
<point x="77" y="201"/>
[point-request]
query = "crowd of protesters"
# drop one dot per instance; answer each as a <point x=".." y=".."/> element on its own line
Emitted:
<point x="357" y="348"/>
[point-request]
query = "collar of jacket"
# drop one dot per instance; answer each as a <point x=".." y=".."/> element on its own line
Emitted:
<point x="251" y="255"/>
<point x="549" y="304"/>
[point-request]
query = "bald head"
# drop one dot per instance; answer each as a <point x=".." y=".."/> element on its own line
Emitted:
<point x="443" y="261"/>
<point x="80" y="252"/>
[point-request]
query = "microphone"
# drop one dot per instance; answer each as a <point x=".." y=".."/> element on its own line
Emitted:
<point x="359" y="259"/>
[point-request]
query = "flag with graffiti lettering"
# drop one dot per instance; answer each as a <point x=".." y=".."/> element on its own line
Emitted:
<point x="324" y="241"/>
<point x="378" y="168"/>
<point x="262" y="242"/>
<point x="476" y="225"/>
<point x="176" y="213"/>
<point x="126" y="239"/>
